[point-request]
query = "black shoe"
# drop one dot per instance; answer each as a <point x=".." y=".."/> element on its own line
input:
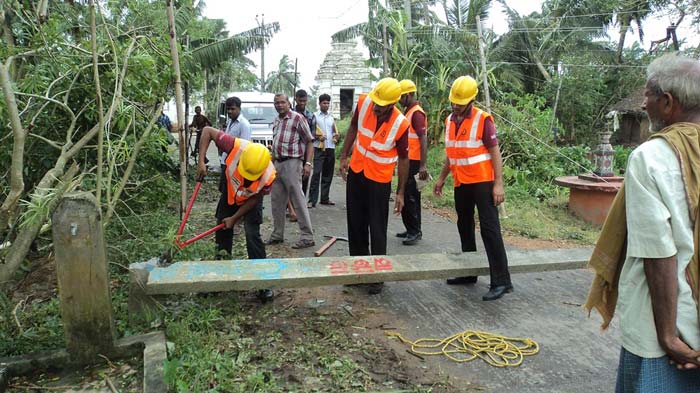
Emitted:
<point x="265" y="295"/>
<point x="375" y="288"/>
<point x="303" y="243"/>
<point x="329" y="203"/>
<point x="412" y="239"/>
<point x="272" y="241"/>
<point x="497" y="292"/>
<point x="462" y="280"/>
<point x="402" y="234"/>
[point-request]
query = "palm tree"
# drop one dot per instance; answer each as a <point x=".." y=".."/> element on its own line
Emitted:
<point x="283" y="80"/>
<point x="462" y="13"/>
<point x="628" y="11"/>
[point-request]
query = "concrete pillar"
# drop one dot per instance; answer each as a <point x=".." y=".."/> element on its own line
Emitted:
<point x="83" y="279"/>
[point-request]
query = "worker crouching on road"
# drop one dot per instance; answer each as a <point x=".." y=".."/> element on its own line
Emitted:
<point x="249" y="175"/>
<point x="378" y="136"/>
<point x="474" y="158"/>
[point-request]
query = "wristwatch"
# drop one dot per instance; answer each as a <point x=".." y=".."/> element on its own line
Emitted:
<point x="307" y="163"/>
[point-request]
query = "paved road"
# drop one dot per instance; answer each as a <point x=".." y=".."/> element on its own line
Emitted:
<point x="575" y="356"/>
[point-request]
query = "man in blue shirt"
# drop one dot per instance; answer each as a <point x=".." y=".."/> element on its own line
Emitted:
<point x="324" y="153"/>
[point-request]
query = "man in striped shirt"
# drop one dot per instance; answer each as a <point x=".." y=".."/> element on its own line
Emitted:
<point x="292" y="153"/>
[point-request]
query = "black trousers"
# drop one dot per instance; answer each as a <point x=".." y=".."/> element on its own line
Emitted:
<point x="480" y="195"/>
<point x="410" y="215"/>
<point x="252" y="220"/>
<point x="324" y="165"/>
<point x="367" y="213"/>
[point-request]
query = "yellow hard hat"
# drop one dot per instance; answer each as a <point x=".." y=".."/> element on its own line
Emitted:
<point x="254" y="161"/>
<point x="407" y="86"/>
<point x="386" y="92"/>
<point x="463" y="90"/>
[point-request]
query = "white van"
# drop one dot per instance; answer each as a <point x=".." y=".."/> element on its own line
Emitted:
<point x="258" y="108"/>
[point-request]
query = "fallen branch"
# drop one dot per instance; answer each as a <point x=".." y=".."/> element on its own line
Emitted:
<point x="19" y="134"/>
<point x="31" y="386"/>
<point x="110" y="384"/>
<point x="107" y="359"/>
<point x="130" y="166"/>
<point x="14" y="315"/>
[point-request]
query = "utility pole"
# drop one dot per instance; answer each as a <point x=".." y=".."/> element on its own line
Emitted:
<point x="294" y="92"/>
<point x="204" y="94"/>
<point x="407" y="10"/>
<point x="560" y="72"/>
<point x="384" y="52"/>
<point x="484" y="75"/>
<point x="261" y="24"/>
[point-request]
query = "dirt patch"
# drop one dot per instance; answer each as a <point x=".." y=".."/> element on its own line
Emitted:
<point x="384" y="362"/>
<point x="40" y="283"/>
<point x="528" y="243"/>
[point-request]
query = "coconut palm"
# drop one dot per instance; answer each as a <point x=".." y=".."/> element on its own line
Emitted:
<point x="283" y="79"/>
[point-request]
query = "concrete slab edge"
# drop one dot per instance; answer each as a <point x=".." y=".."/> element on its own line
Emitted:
<point x="25" y="364"/>
<point x="4" y="379"/>
<point x="151" y="345"/>
<point x="155" y="353"/>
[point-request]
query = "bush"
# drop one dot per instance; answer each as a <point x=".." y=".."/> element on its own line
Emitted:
<point x="531" y="159"/>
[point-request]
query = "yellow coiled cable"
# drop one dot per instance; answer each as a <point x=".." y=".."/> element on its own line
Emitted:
<point x="494" y="349"/>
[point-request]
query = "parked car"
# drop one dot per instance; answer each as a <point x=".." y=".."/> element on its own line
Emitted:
<point x="258" y="108"/>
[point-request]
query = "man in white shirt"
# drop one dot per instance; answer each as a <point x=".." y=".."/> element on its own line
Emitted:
<point x="658" y="314"/>
<point x="327" y="136"/>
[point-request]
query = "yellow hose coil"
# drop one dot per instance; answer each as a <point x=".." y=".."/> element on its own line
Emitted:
<point x="494" y="349"/>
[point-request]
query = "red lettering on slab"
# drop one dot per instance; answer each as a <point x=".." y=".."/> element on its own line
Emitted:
<point x="382" y="264"/>
<point x="361" y="266"/>
<point x="339" y="267"/>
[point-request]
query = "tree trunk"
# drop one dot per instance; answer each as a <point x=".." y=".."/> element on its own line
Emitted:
<point x="6" y="20"/>
<point x="540" y="67"/>
<point x="624" y="26"/>
<point x="178" y="104"/>
<point x="98" y="95"/>
<point x="19" y="135"/>
<point x="42" y="11"/>
<point x="20" y="247"/>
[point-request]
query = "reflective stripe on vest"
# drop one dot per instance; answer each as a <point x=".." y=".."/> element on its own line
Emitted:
<point x="375" y="152"/>
<point x="413" y="140"/>
<point x="237" y="193"/>
<point x="470" y="161"/>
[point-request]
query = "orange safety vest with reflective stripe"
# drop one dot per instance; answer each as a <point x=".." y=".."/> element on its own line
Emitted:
<point x="470" y="161"/>
<point x="375" y="151"/>
<point x="413" y="140"/>
<point x="237" y="192"/>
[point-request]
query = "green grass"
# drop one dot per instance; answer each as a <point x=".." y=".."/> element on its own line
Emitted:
<point x="528" y="215"/>
<point x="220" y="344"/>
<point x="547" y="220"/>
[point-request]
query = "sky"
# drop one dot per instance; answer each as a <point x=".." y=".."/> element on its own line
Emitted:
<point x="306" y="28"/>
